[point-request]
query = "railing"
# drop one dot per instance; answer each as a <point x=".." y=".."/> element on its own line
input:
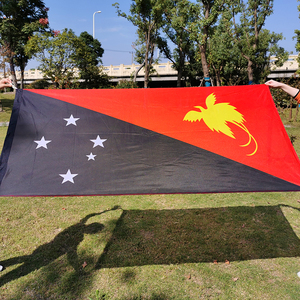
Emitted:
<point x="165" y="69"/>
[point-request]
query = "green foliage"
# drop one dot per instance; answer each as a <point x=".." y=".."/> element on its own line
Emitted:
<point x="125" y="84"/>
<point x="88" y="58"/>
<point x="56" y="54"/>
<point x="18" y="21"/>
<point x="146" y="15"/>
<point x="39" y="84"/>
<point x="65" y="58"/>
<point x="206" y="14"/>
<point x="176" y="15"/>
<point x="244" y="22"/>
<point x="226" y="63"/>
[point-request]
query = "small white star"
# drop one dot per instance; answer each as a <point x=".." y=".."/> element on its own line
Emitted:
<point x="98" y="142"/>
<point x="68" y="177"/>
<point x="71" y="120"/>
<point x="42" y="143"/>
<point x="91" y="156"/>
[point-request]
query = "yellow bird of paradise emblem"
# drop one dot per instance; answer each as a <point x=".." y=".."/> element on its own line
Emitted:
<point x="217" y="116"/>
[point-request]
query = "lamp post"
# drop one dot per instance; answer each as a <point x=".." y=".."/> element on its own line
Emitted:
<point x="96" y="12"/>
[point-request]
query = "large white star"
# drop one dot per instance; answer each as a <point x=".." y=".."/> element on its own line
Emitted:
<point x="71" y="120"/>
<point x="98" y="141"/>
<point x="68" y="177"/>
<point x="42" y="143"/>
<point x="91" y="156"/>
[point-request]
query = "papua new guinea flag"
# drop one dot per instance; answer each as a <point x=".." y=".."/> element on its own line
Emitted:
<point x="144" y="141"/>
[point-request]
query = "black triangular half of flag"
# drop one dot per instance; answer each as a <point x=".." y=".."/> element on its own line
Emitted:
<point x="57" y="148"/>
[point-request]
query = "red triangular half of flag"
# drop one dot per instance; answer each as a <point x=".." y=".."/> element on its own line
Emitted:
<point x="240" y="123"/>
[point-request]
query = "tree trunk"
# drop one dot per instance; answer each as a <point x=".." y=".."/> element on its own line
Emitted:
<point x="218" y="75"/>
<point x="146" y="77"/>
<point x="296" y="114"/>
<point x="22" y="67"/>
<point x="12" y="71"/>
<point x="180" y="67"/>
<point x="218" y="78"/>
<point x="22" y="78"/>
<point x="249" y="68"/>
<point x="204" y="60"/>
<point x="137" y="71"/>
<point x="179" y="76"/>
<point x="291" y="110"/>
<point x="250" y="71"/>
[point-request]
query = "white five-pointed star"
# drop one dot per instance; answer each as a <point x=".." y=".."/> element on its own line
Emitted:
<point x="98" y="142"/>
<point x="91" y="156"/>
<point x="71" y="120"/>
<point x="68" y="177"/>
<point x="42" y="143"/>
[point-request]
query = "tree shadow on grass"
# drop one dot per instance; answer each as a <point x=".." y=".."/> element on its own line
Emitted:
<point x="150" y="237"/>
<point x="66" y="242"/>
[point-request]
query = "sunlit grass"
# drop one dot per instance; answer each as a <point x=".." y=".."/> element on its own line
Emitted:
<point x="6" y="103"/>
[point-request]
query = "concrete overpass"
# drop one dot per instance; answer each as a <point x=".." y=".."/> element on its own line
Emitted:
<point x="287" y="70"/>
<point x="164" y="72"/>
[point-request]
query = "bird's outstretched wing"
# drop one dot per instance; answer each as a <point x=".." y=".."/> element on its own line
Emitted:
<point x="210" y="100"/>
<point x="193" y="116"/>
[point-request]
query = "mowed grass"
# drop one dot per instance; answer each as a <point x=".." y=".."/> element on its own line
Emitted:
<point x="6" y="102"/>
<point x="212" y="246"/>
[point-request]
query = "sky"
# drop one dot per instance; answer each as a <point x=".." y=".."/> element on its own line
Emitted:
<point x="117" y="34"/>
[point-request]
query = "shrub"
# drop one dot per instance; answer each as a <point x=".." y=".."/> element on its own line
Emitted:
<point x="40" y="84"/>
<point x="124" y="84"/>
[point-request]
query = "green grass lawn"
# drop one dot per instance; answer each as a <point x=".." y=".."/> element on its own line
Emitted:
<point x="6" y="102"/>
<point x="211" y="246"/>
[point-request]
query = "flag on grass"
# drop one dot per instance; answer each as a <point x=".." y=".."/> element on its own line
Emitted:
<point x="145" y="141"/>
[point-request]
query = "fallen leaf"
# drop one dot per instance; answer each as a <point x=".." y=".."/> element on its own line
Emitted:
<point x="63" y="208"/>
<point x="84" y="265"/>
<point x="227" y="262"/>
<point x="235" y="279"/>
<point x="215" y="262"/>
<point x="189" y="276"/>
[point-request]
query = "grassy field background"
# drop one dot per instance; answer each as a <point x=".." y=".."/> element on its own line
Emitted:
<point x="214" y="246"/>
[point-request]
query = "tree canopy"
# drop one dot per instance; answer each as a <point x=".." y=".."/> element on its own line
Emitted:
<point x="225" y="39"/>
<point x="19" y="19"/>
<point x="146" y="15"/>
<point x="65" y="58"/>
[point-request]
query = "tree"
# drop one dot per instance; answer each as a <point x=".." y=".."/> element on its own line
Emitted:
<point x="206" y="14"/>
<point x="65" y="58"/>
<point x="4" y="53"/>
<point x="18" y="21"/>
<point x="146" y="15"/>
<point x="224" y="58"/>
<point x="255" y="43"/>
<point x="88" y="57"/>
<point x="175" y="17"/>
<point x="56" y="51"/>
